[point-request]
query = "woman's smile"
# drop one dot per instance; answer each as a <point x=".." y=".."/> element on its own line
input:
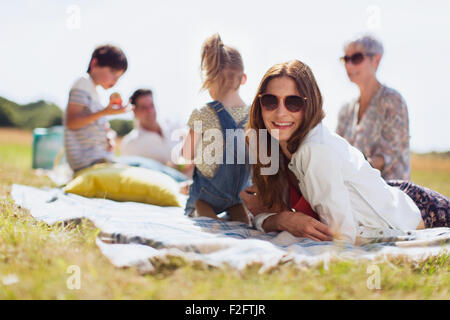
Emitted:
<point x="281" y="119"/>
<point x="282" y="125"/>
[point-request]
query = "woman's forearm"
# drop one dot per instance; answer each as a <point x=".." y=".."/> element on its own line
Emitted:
<point x="271" y="223"/>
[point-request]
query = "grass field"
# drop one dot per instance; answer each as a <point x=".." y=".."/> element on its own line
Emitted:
<point x="34" y="257"/>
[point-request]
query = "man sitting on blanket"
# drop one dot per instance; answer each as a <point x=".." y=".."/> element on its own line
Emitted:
<point x="150" y="139"/>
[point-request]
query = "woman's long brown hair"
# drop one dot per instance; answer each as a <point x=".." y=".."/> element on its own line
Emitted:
<point x="271" y="187"/>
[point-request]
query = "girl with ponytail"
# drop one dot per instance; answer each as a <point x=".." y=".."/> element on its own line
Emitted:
<point x="217" y="183"/>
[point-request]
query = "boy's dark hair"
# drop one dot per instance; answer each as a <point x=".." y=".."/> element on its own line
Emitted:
<point x="109" y="56"/>
<point x="139" y="93"/>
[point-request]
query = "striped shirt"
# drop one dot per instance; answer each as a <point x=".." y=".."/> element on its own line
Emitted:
<point x="87" y="145"/>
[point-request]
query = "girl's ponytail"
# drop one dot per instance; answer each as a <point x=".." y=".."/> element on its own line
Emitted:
<point x="220" y="63"/>
<point x="212" y="59"/>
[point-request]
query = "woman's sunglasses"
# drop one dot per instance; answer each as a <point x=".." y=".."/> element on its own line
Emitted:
<point x="271" y="102"/>
<point x="355" y="58"/>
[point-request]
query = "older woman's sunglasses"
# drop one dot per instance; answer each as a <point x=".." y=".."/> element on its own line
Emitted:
<point x="355" y="58"/>
<point x="271" y="102"/>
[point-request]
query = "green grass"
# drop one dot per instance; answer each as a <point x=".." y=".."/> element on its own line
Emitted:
<point x="435" y="181"/>
<point x="17" y="154"/>
<point x="37" y="256"/>
<point x="432" y="171"/>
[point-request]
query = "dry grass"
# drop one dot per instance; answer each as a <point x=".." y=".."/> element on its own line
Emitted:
<point x="430" y="162"/>
<point x="36" y="258"/>
<point x="432" y="171"/>
<point x="18" y="136"/>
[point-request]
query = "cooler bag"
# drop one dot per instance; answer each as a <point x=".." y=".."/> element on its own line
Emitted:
<point x="48" y="147"/>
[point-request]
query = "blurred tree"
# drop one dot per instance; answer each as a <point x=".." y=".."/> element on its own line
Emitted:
<point x="40" y="114"/>
<point x="122" y="127"/>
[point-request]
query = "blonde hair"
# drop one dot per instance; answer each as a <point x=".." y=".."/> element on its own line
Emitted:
<point x="221" y="64"/>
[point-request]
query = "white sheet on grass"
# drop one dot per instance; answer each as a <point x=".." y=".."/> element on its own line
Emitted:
<point x="135" y="234"/>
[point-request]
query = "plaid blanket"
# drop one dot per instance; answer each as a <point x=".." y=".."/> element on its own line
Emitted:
<point x="137" y="234"/>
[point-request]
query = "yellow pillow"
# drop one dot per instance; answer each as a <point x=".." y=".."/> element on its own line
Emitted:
<point x="125" y="183"/>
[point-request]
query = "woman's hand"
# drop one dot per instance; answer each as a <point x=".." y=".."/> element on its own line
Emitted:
<point x="251" y="200"/>
<point x="296" y="223"/>
<point x="301" y="225"/>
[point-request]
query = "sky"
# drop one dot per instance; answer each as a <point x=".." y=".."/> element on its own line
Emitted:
<point x="46" y="45"/>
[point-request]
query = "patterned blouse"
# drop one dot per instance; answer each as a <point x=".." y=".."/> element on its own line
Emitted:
<point x="383" y="130"/>
<point x="209" y="120"/>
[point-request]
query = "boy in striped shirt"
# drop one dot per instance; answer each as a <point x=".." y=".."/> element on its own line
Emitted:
<point x="88" y="138"/>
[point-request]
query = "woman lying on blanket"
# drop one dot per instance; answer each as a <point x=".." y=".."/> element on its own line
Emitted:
<point x="329" y="189"/>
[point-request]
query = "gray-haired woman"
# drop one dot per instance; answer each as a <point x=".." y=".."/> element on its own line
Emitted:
<point x="376" y="122"/>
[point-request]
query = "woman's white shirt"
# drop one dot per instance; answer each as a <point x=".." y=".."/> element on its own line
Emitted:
<point x="345" y="191"/>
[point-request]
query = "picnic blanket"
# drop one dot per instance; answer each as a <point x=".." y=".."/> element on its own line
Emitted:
<point x="137" y="234"/>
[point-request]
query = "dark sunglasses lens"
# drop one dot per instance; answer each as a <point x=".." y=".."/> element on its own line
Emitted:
<point x="269" y="102"/>
<point x="357" y="58"/>
<point x="294" y="103"/>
